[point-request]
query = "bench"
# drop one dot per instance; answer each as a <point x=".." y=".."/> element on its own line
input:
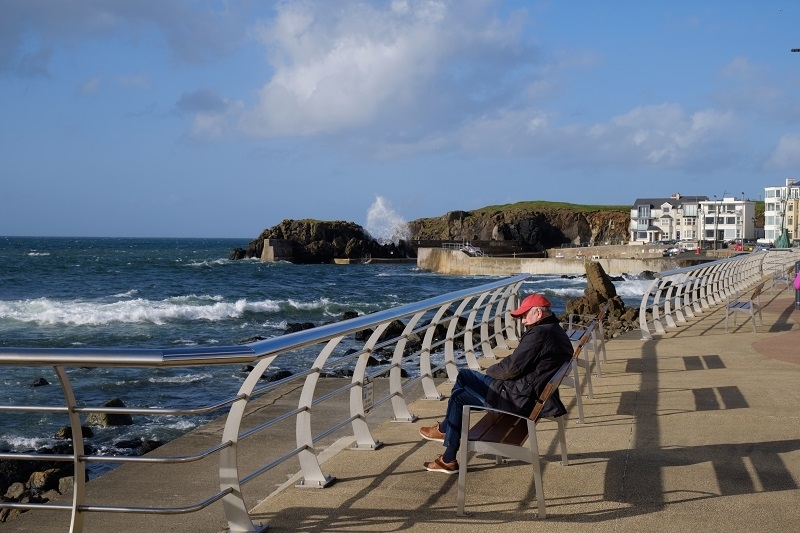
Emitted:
<point x="782" y="277"/>
<point x="505" y="434"/>
<point x="748" y="305"/>
<point x="597" y="345"/>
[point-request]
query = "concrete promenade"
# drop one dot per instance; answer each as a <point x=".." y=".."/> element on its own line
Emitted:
<point x="696" y="430"/>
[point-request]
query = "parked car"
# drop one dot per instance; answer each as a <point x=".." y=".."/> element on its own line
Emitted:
<point x="671" y="252"/>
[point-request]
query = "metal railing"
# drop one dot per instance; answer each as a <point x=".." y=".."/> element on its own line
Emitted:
<point x="675" y="295"/>
<point x="483" y="311"/>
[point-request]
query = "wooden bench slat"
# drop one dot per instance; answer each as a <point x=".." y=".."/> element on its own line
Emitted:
<point x="501" y="428"/>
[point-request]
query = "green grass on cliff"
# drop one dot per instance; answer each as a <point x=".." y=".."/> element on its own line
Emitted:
<point x="541" y="205"/>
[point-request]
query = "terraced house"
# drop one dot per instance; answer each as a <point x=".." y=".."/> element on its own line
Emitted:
<point x="659" y="219"/>
<point x="781" y="204"/>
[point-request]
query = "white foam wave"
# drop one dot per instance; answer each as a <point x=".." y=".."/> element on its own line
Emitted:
<point x="184" y="378"/>
<point x="47" y="311"/>
<point x="37" y="254"/>
<point x="22" y="443"/>
<point x="315" y="304"/>
<point x="209" y="263"/>
<point x="632" y="288"/>
<point x="127" y="294"/>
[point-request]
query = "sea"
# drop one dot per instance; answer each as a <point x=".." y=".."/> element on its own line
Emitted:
<point x="170" y="292"/>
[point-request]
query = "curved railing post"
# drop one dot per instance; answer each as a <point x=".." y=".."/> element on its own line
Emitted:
<point x="309" y="464"/>
<point x="233" y="503"/>
<point x="364" y="440"/>
<point x="79" y="467"/>
<point x="499" y="315"/>
<point x="511" y="303"/>
<point x="449" y="355"/>
<point x="486" y="345"/>
<point x="425" y="368"/>
<point x="469" y="344"/>
<point x="399" y="405"/>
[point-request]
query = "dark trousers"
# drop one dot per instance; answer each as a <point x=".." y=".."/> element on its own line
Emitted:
<point x="471" y="388"/>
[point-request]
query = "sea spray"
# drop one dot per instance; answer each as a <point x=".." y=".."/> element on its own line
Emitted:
<point x="385" y="225"/>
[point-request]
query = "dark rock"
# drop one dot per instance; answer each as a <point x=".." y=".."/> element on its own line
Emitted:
<point x="110" y="419"/>
<point x="237" y="253"/>
<point x="347" y="315"/>
<point x="44" y="480"/>
<point x="39" y="382"/>
<point x="149" y="445"/>
<point x="293" y="327"/>
<point x="598" y="292"/>
<point x="255" y="338"/>
<point x="277" y="376"/>
<point x="66" y="432"/>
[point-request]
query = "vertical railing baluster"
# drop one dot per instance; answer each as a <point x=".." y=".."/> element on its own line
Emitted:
<point x="79" y="466"/>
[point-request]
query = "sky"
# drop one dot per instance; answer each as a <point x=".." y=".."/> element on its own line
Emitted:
<point x="203" y="118"/>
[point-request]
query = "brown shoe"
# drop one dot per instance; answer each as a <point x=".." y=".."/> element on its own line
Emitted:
<point x="437" y="465"/>
<point x="432" y="433"/>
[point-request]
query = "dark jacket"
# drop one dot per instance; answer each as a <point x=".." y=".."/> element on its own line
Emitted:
<point x="522" y="376"/>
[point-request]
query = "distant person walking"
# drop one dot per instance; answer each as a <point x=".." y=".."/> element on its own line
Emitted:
<point x="513" y="384"/>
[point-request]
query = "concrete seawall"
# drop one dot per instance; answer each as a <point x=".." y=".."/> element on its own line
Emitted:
<point x="457" y="262"/>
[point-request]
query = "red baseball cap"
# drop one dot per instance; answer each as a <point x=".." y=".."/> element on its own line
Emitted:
<point x="534" y="300"/>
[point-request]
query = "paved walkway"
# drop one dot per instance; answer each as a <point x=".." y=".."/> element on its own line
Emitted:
<point x="696" y="430"/>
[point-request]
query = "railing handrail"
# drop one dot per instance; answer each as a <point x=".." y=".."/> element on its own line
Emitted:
<point x="485" y="310"/>
<point x="674" y="295"/>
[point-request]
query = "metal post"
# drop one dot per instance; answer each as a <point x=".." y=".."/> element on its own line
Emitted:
<point x="796" y="291"/>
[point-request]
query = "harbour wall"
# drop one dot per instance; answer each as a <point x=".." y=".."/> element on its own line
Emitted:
<point x="445" y="261"/>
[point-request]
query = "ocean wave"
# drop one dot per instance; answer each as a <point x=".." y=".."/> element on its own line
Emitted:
<point x="632" y="288"/>
<point x="209" y="263"/>
<point x="38" y="254"/>
<point x="183" y="378"/>
<point x="321" y="303"/>
<point x="47" y="311"/>
<point x="126" y="294"/>
<point x="18" y="443"/>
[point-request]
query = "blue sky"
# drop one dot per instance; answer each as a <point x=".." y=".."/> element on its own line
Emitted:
<point x="222" y="118"/>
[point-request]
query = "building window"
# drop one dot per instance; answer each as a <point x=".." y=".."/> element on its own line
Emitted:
<point x="730" y="220"/>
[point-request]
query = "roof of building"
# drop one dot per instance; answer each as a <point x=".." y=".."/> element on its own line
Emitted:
<point x="672" y="201"/>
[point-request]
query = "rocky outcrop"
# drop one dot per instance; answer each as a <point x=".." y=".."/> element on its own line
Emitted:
<point x="34" y="481"/>
<point x="539" y="225"/>
<point x="525" y="226"/>
<point x="315" y="241"/>
<point x="599" y="290"/>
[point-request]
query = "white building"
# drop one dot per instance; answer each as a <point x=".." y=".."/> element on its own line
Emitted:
<point x="780" y="211"/>
<point x="659" y="219"/>
<point x="727" y="219"/>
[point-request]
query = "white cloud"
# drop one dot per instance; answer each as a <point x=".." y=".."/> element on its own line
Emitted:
<point x="91" y="86"/>
<point x="340" y="70"/>
<point x="786" y="155"/>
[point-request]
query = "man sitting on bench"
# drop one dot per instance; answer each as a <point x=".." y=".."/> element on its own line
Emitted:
<point x="513" y="384"/>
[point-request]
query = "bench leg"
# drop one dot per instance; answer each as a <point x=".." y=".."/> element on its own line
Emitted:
<point x="562" y="438"/>
<point x="462" y="463"/>
<point x="537" y="477"/>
